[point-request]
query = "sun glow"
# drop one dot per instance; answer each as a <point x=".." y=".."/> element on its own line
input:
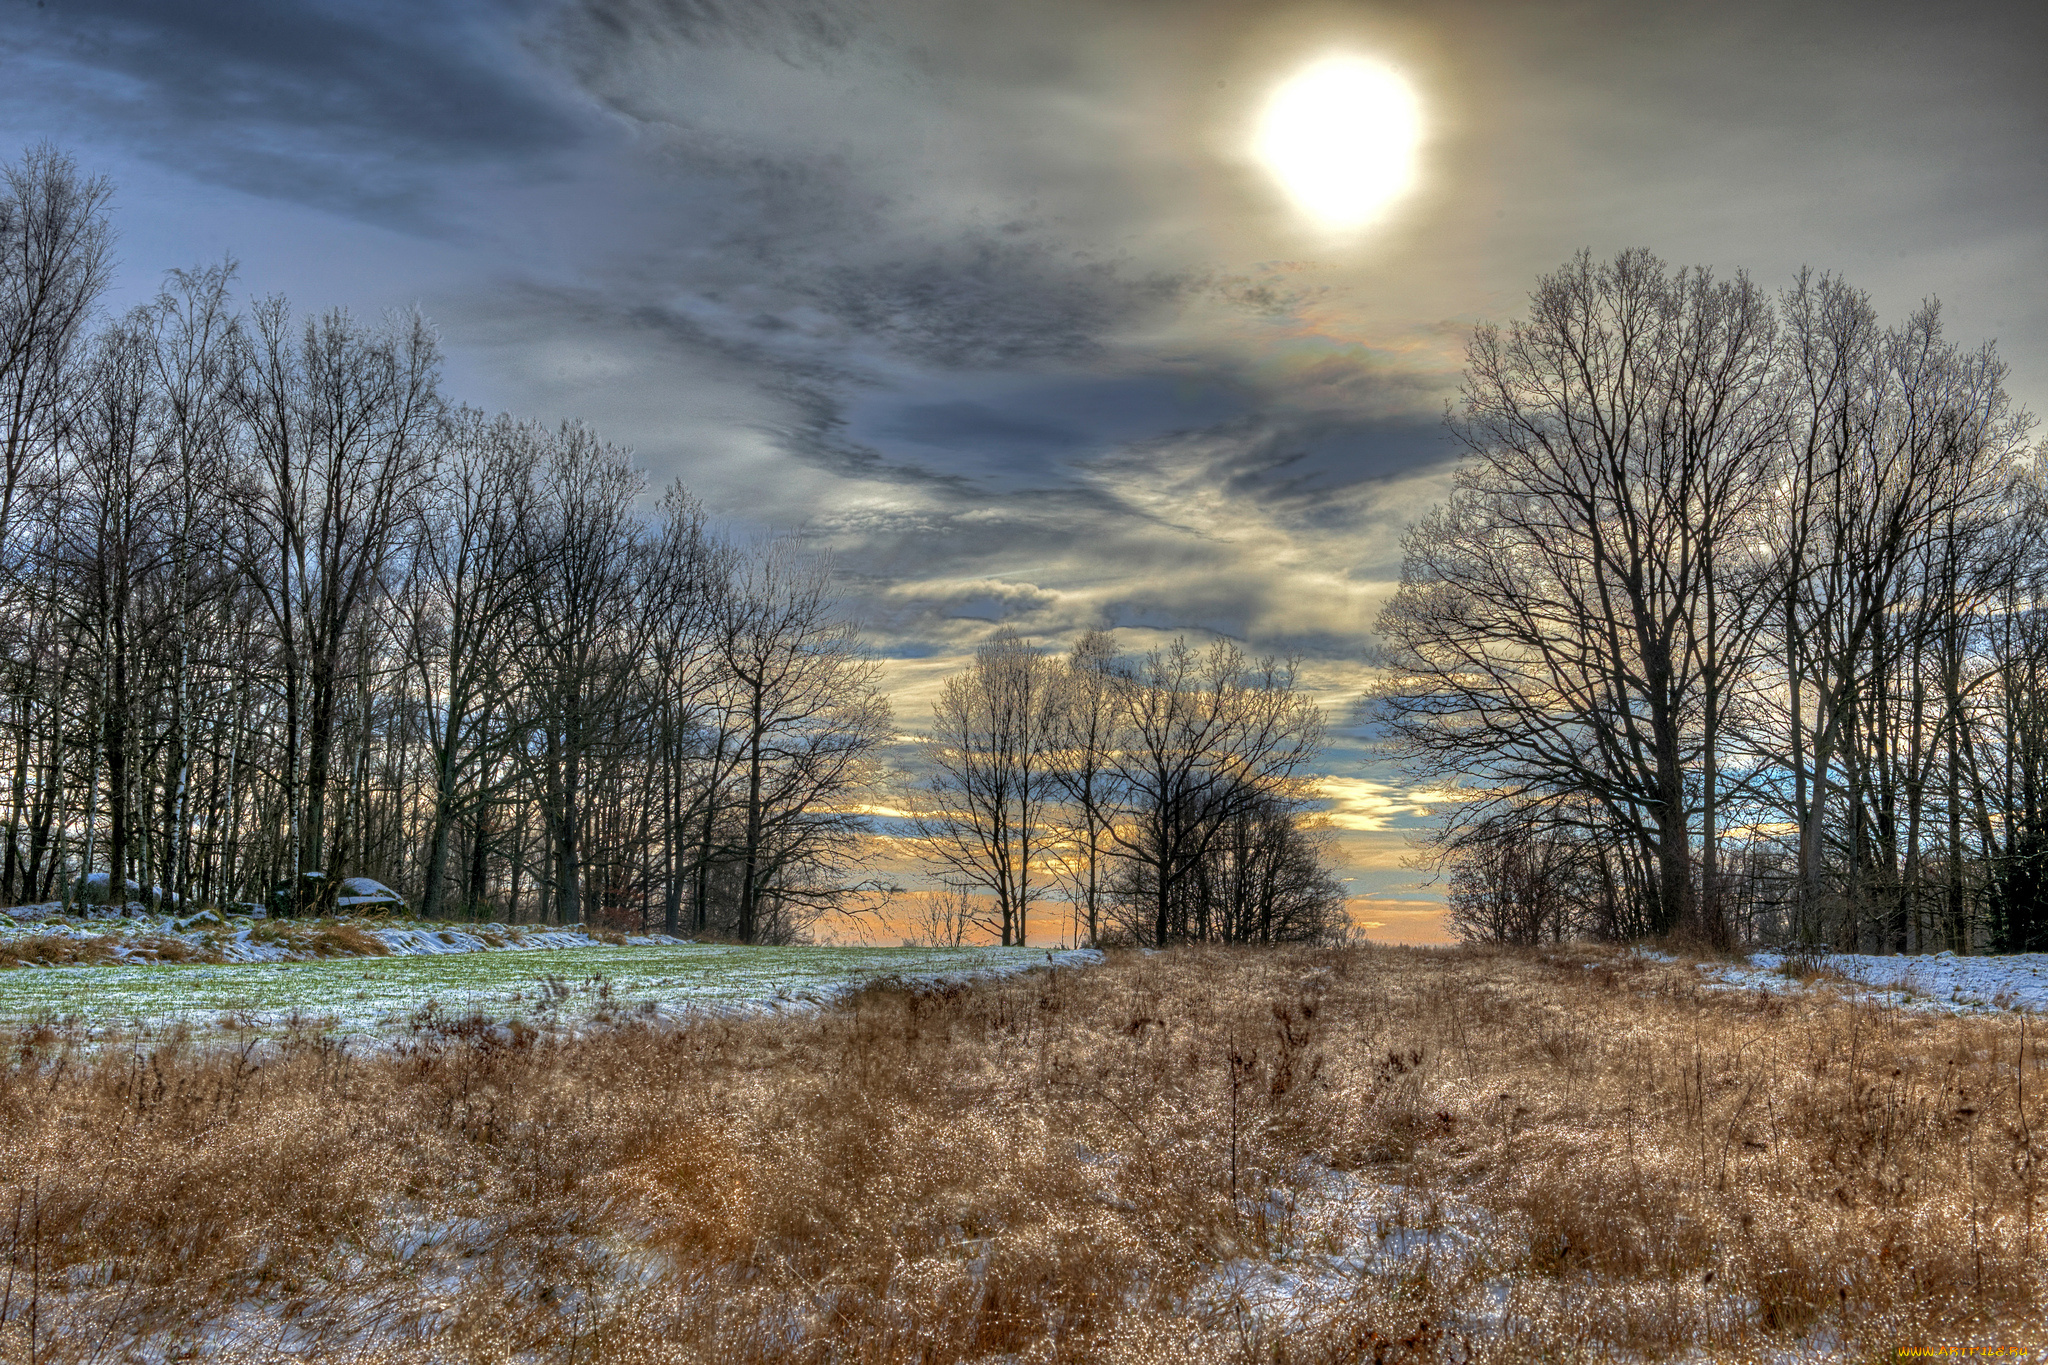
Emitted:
<point x="1340" y="136"/>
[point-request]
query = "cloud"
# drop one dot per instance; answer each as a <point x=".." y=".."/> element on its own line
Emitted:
<point x="1249" y="528"/>
<point x="982" y="302"/>
<point x="361" y="107"/>
<point x="1390" y="920"/>
<point x="1368" y="806"/>
<point x="794" y="31"/>
<point x="957" y="425"/>
<point x="983" y="599"/>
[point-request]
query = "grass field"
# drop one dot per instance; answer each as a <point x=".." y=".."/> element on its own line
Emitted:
<point x="564" y="986"/>
<point x="1198" y="1157"/>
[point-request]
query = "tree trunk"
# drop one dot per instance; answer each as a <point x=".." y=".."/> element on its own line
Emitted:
<point x="116" y="731"/>
<point x="749" y="889"/>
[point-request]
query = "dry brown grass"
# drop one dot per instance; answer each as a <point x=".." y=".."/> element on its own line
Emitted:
<point x="339" y="940"/>
<point x="1622" y="1164"/>
<point x="55" y="950"/>
<point x="314" y="938"/>
<point x="71" y="950"/>
<point x="301" y="938"/>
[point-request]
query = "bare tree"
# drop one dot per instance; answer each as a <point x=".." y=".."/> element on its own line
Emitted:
<point x="197" y="339"/>
<point x="341" y="421"/>
<point x="992" y="778"/>
<point x="1897" y="453"/>
<point x="54" y="258"/>
<point x="1518" y="876"/>
<point x="459" y="610"/>
<point x="1082" y="728"/>
<point x="688" y="574"/>
<point x="1201" y="738"/>
<point x="1267" y="877"/>
<point x="806" y="721"/>
<point x="110" y="549"/>
<point x="1563" y="623"/>
<point x="2009" y="745"/>
<point x="581" y="624"/>
<point x="943" y="918"/>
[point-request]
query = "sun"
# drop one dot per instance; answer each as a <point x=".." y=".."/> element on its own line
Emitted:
<point x="1340" y="135"/>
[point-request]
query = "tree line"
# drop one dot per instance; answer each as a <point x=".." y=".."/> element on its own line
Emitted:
<point x="273" y="606"/>
<point x="1165" y="797"/>
<point x="1735" y="625"/>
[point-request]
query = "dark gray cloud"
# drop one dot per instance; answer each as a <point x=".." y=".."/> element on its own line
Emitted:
<point x="1004" y="436"/>
<point x="986" y="302"/>
<point x="1318" y="471"/>
<point x="355" y="106"/>
<point x="975" y="426"/>
<point x="878" y="171"/>
<point x="795" y="31"/>
<point x="1060" y="413"/>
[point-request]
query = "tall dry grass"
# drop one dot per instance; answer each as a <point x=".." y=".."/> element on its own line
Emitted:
<point x="1573" y="1156"/>
<point x="299" y="938"/>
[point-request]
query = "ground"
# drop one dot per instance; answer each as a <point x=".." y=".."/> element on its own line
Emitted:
<point x="1201" y="1155"/>
<point x="564" y="979"/>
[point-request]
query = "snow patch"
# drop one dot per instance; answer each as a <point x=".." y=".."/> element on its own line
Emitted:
<point x="1941" y="982"/>
<point x="441" y="982"/>
<point x="1329" y="1232"/>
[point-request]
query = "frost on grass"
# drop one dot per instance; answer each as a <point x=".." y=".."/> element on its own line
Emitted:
<point x="1325" y="1234"/>
<point x="1351" y="1267"/>
<point x="1940" y="982"/>
<point x="443" y="978"/>
<point x="41" y="935"/>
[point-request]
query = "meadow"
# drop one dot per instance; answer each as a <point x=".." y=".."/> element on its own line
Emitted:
<point x="1206" y="1155"/>
<point x="374" y="995"/>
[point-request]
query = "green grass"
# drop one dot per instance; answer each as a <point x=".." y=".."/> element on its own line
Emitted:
<point x="569" y="985"/>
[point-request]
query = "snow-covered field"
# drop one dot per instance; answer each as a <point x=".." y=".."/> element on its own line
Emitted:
<point x="207" y="936"/>
<point x="575" y="981"/>
<point x="1940" y="981"/>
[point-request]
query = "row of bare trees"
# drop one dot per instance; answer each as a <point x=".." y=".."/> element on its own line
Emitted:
<point x="1164" y="796"/>
<point x="272" y="607"/>
<point x="1734" y="625"/>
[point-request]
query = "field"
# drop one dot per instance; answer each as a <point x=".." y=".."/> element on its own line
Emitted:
<point x="564" y="986"/>
<point x="1358" y="1154"/>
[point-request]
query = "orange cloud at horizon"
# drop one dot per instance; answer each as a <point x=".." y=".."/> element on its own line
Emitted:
<point x="1386" y="919"/>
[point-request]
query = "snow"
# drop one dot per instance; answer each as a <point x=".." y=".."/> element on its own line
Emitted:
<point x="1327" y="1231"/>
<point x="435" y="940"/>
<point x="537" y="979"/>
<point x="93" y="887"/>
<point x="366" y="891"/>
<point x="237" y="938"/>
<point x="1941" y="982"/>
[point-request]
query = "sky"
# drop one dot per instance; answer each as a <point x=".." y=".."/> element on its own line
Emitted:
<point x="1009" y="306"/>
